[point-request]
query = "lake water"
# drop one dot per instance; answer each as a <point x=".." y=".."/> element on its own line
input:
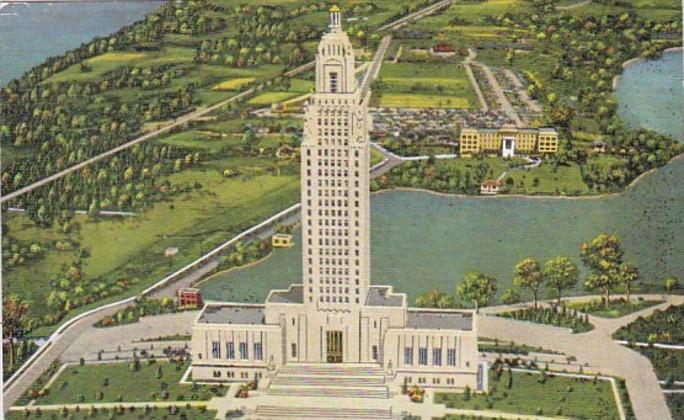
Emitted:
<point x="650" y="94"/>
<point x="422" y="241"/>
<point x="29" y="33"/>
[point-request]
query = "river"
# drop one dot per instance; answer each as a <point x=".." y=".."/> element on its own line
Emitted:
<point x="650" y="94"/>
<point x="29" y="33"/>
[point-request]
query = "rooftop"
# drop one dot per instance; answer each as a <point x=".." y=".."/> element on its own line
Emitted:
<point x="382" y="296"/>
<point x="232" y="314"/>
<point x="295" y="294"/>
<point x="439" y="320"/>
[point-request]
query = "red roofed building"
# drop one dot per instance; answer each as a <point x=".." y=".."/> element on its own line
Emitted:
<point x="190" y="297"/>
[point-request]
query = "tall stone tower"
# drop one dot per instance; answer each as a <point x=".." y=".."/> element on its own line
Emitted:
<point x="335" y="180"/>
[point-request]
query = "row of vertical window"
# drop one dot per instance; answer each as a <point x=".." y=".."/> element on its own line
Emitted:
<point x="423" y="356"/>
<point x="257" y="350"/>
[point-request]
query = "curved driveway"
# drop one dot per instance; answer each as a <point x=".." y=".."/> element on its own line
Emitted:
<point x="595" y="348"/>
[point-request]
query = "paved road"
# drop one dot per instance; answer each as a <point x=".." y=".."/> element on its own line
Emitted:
<point x="500" y="96"/>
<point x="376" y="64"/>
<point x="176" y="123"/>
<point x="415" y="15"/>
<point x="596" y="348"/>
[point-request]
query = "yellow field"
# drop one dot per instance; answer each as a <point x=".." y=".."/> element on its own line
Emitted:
<point x="401" y="100"/>
<point x="268" y="98"/>
<point x="233" y="83"/>
<point x="117" y="56"/>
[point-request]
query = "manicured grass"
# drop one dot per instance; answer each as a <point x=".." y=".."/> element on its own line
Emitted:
<point x="423" y="85"/>
<point x="268" y="98"/>
<point x="403" y="100"/>
<point x="375" y="157"/>
<point x="564" y="180"/>
<point x="181" y="412"/>
<point x="556" y="396"/>
<point x="616" y="309"/>
<point x="82" y="384"/>
<point x="201" y="140"/>
<point x="233" y="84"/>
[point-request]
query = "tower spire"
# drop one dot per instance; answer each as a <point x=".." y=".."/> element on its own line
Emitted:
<point x="335" y="21"/>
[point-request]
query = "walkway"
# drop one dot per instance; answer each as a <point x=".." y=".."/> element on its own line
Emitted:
<point x="473" y="82"/>
<point x="520" y="90"/>
<point x="595" y="348"/>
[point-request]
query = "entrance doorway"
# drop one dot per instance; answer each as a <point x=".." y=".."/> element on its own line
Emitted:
<point x="334" y="346"/>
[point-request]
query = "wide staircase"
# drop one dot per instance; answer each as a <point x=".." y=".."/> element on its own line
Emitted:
<point x="327" y="391"/>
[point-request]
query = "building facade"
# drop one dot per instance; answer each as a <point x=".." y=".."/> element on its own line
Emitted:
<point x="508" y="141"/>
<point x="335" y="315"/>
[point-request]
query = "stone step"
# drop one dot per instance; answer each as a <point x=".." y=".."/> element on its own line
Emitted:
<point x="336" y="381"/>
<point x="276" y="411"/>
<point x="329" y="391"/>
<point x="326" y="369"/>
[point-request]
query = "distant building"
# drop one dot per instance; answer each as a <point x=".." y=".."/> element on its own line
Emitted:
<point x="170" y="251"/>
<point x="598" y="147"/>
<point x="190" y="296"/>
<point x="489" y="187"/>
<point x="443" y="49"/>
<point x="282" y="240"/>
<point x="508" y="141"/>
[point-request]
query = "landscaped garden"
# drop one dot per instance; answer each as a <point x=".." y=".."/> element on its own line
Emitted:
<point x="111" y="382"/>
<point x="120" y="413"/>
<point x="616" y="308"/>
<point x="540" y="393"/>
<point x="558" y="317"/>
<point x="666" y="326"/>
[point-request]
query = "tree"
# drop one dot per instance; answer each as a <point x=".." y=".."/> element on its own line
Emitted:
<point x="13" y="311"/>
<point x="671" y="283"/>
<point x="478" y="288"/>
<point x="510" y="296"/>
<point x="560" y="274"/>
<point x="629" y="275"/>
<point x="603" y="257"/>
<point x="528" y="275"/>
<point x="434" y="299"/>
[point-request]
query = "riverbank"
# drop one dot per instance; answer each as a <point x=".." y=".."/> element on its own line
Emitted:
<point x="635" y="60"/>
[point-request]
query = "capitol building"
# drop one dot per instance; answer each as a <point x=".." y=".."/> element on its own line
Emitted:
<point x="335" y="333"/>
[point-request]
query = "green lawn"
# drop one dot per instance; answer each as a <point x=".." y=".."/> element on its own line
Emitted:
<point x="268" y="98"/>
<point x="82" y="384"/>
<point x="557" y="396"/>
<point x="565" y="180"/>
<point x="181" y="412"/>
<point x="423" y="85"/>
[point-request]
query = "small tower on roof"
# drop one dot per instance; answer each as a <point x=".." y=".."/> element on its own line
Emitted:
<point x="335" y="59"/>
<point x="335" y="20"/>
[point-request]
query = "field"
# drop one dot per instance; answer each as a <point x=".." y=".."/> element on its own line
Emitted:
<point x="556" y="396"/>
<point x="133" y="247"/>
<point x="423" y="85"/>
<point x="82" y="384"/>
<point x="548" y="179"/>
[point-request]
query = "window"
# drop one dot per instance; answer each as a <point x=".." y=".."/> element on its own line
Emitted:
<point x="243" y="351"/>
<point x="217" y="374"/>
<point x="258" y="351"/>
<point x="230" y="350"/>
<point x="333" y="82"/>
<point x="422" y="356"/>
<point x="294" y="350"/>
<point x="437" y="357"/>
<point x="451" y="357"/>
<point x="408" y="355"/>
<point x="215" y="349"/>
<point x="375" y="353"/>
